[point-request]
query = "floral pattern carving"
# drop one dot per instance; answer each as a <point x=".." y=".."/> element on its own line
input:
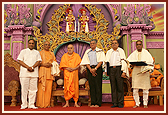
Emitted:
<point x="19" y="15"/>
<point x="57" y="37"/>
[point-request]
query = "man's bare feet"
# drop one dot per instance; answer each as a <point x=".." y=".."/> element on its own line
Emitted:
<point x="135" y="106"/>
<point x="66" y="105"/>
<point x="96" y="106"/>
<point x="92" y="106"/>
<point x="76" y="105"/>
<point x="145" y="106"/>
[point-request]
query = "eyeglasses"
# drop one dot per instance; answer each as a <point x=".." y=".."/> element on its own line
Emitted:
<point x="114" y="43"/>
<point x="31" y="43"/>
<point x="138" y="44"/>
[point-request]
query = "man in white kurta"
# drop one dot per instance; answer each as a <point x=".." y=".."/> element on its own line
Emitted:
<point x="29" y="60"/>
<point x="118" y="70"/>
<point x="141" y="80"/>
<point x="93" y="59"/>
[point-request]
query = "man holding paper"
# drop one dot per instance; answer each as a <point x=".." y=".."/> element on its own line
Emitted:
<point x="140" y="74"/>
<point x="118" y="70"/>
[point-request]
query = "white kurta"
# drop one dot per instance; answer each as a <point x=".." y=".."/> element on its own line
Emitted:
<point x="29" y="57"/>
<point x="28" y="79"/>
<point x="140" y="81"/>
<point x="124" y="66"/>
<point x="99" y="55"/>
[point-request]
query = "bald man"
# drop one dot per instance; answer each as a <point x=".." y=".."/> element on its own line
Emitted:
<point x="45" y="77"/>
<point x="70" y="62"/>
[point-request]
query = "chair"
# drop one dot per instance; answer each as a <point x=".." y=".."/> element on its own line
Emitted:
<point x="11" y="78"/>
<point x="57" y="90"/>
<point x="154" y="91"/>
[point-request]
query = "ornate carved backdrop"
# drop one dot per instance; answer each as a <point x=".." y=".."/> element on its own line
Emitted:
<point x="57" y="37"/>
<point x="79" y="48"/>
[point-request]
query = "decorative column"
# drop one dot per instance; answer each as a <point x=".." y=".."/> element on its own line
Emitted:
<point x="125" y="34"/>
<point x="155" y="40"/>
<point x="18" y="33"/>
<point x="17" y="41"/>
<point x="146" y="31"/>
<point x="135" y="32"/>
<point x="6" y="42"/>
<point x="28" y="32"/>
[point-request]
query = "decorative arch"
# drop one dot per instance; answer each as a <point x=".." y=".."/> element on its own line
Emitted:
<point x="110" y="10"/>
<point x="47" y="6"/>
<point x="79" y="47"/>
<point x="43" y="12"/>
<point x="56" y="36"/>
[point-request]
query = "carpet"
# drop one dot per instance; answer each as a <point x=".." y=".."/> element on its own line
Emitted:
<point x="106" y="107"/>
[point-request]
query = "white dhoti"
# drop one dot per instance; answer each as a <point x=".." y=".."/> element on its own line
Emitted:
<point x="28" y="87"/>
<point x="136" y="96"/>
<point x="140" y="81"/>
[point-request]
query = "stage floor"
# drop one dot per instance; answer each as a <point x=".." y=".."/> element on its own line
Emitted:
<point x="106" y="107"/>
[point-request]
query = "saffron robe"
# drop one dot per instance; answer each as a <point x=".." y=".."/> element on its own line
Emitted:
<point x="71" y="80"/>
<point x="45" y="80"/>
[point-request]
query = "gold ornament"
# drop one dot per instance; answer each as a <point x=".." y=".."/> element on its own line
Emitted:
<point x="58" y="37"/>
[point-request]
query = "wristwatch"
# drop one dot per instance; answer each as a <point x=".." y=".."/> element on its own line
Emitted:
<point x="95" y="68"/>
<point x="32" y="67"/>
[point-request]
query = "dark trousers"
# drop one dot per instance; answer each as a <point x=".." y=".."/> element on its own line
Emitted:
<point x="116" y="81"/>
<point x="95" y="84"/>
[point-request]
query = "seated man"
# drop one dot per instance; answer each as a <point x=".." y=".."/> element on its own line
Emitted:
<point x="70" y="62"/>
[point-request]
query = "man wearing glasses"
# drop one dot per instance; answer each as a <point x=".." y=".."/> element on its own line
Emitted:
<point x="118" y="70"/>
<point x="140" y="79"/>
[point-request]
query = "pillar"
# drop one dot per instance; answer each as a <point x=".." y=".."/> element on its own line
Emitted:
<point x="135" y="32"/>
<point x="18" y="35"/>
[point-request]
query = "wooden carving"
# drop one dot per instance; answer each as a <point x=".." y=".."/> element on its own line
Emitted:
<point x="57" y="37"/>
<point x="13" y="88"/>
<point x="9" y="61"/>
<point x="126" y="81"/>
